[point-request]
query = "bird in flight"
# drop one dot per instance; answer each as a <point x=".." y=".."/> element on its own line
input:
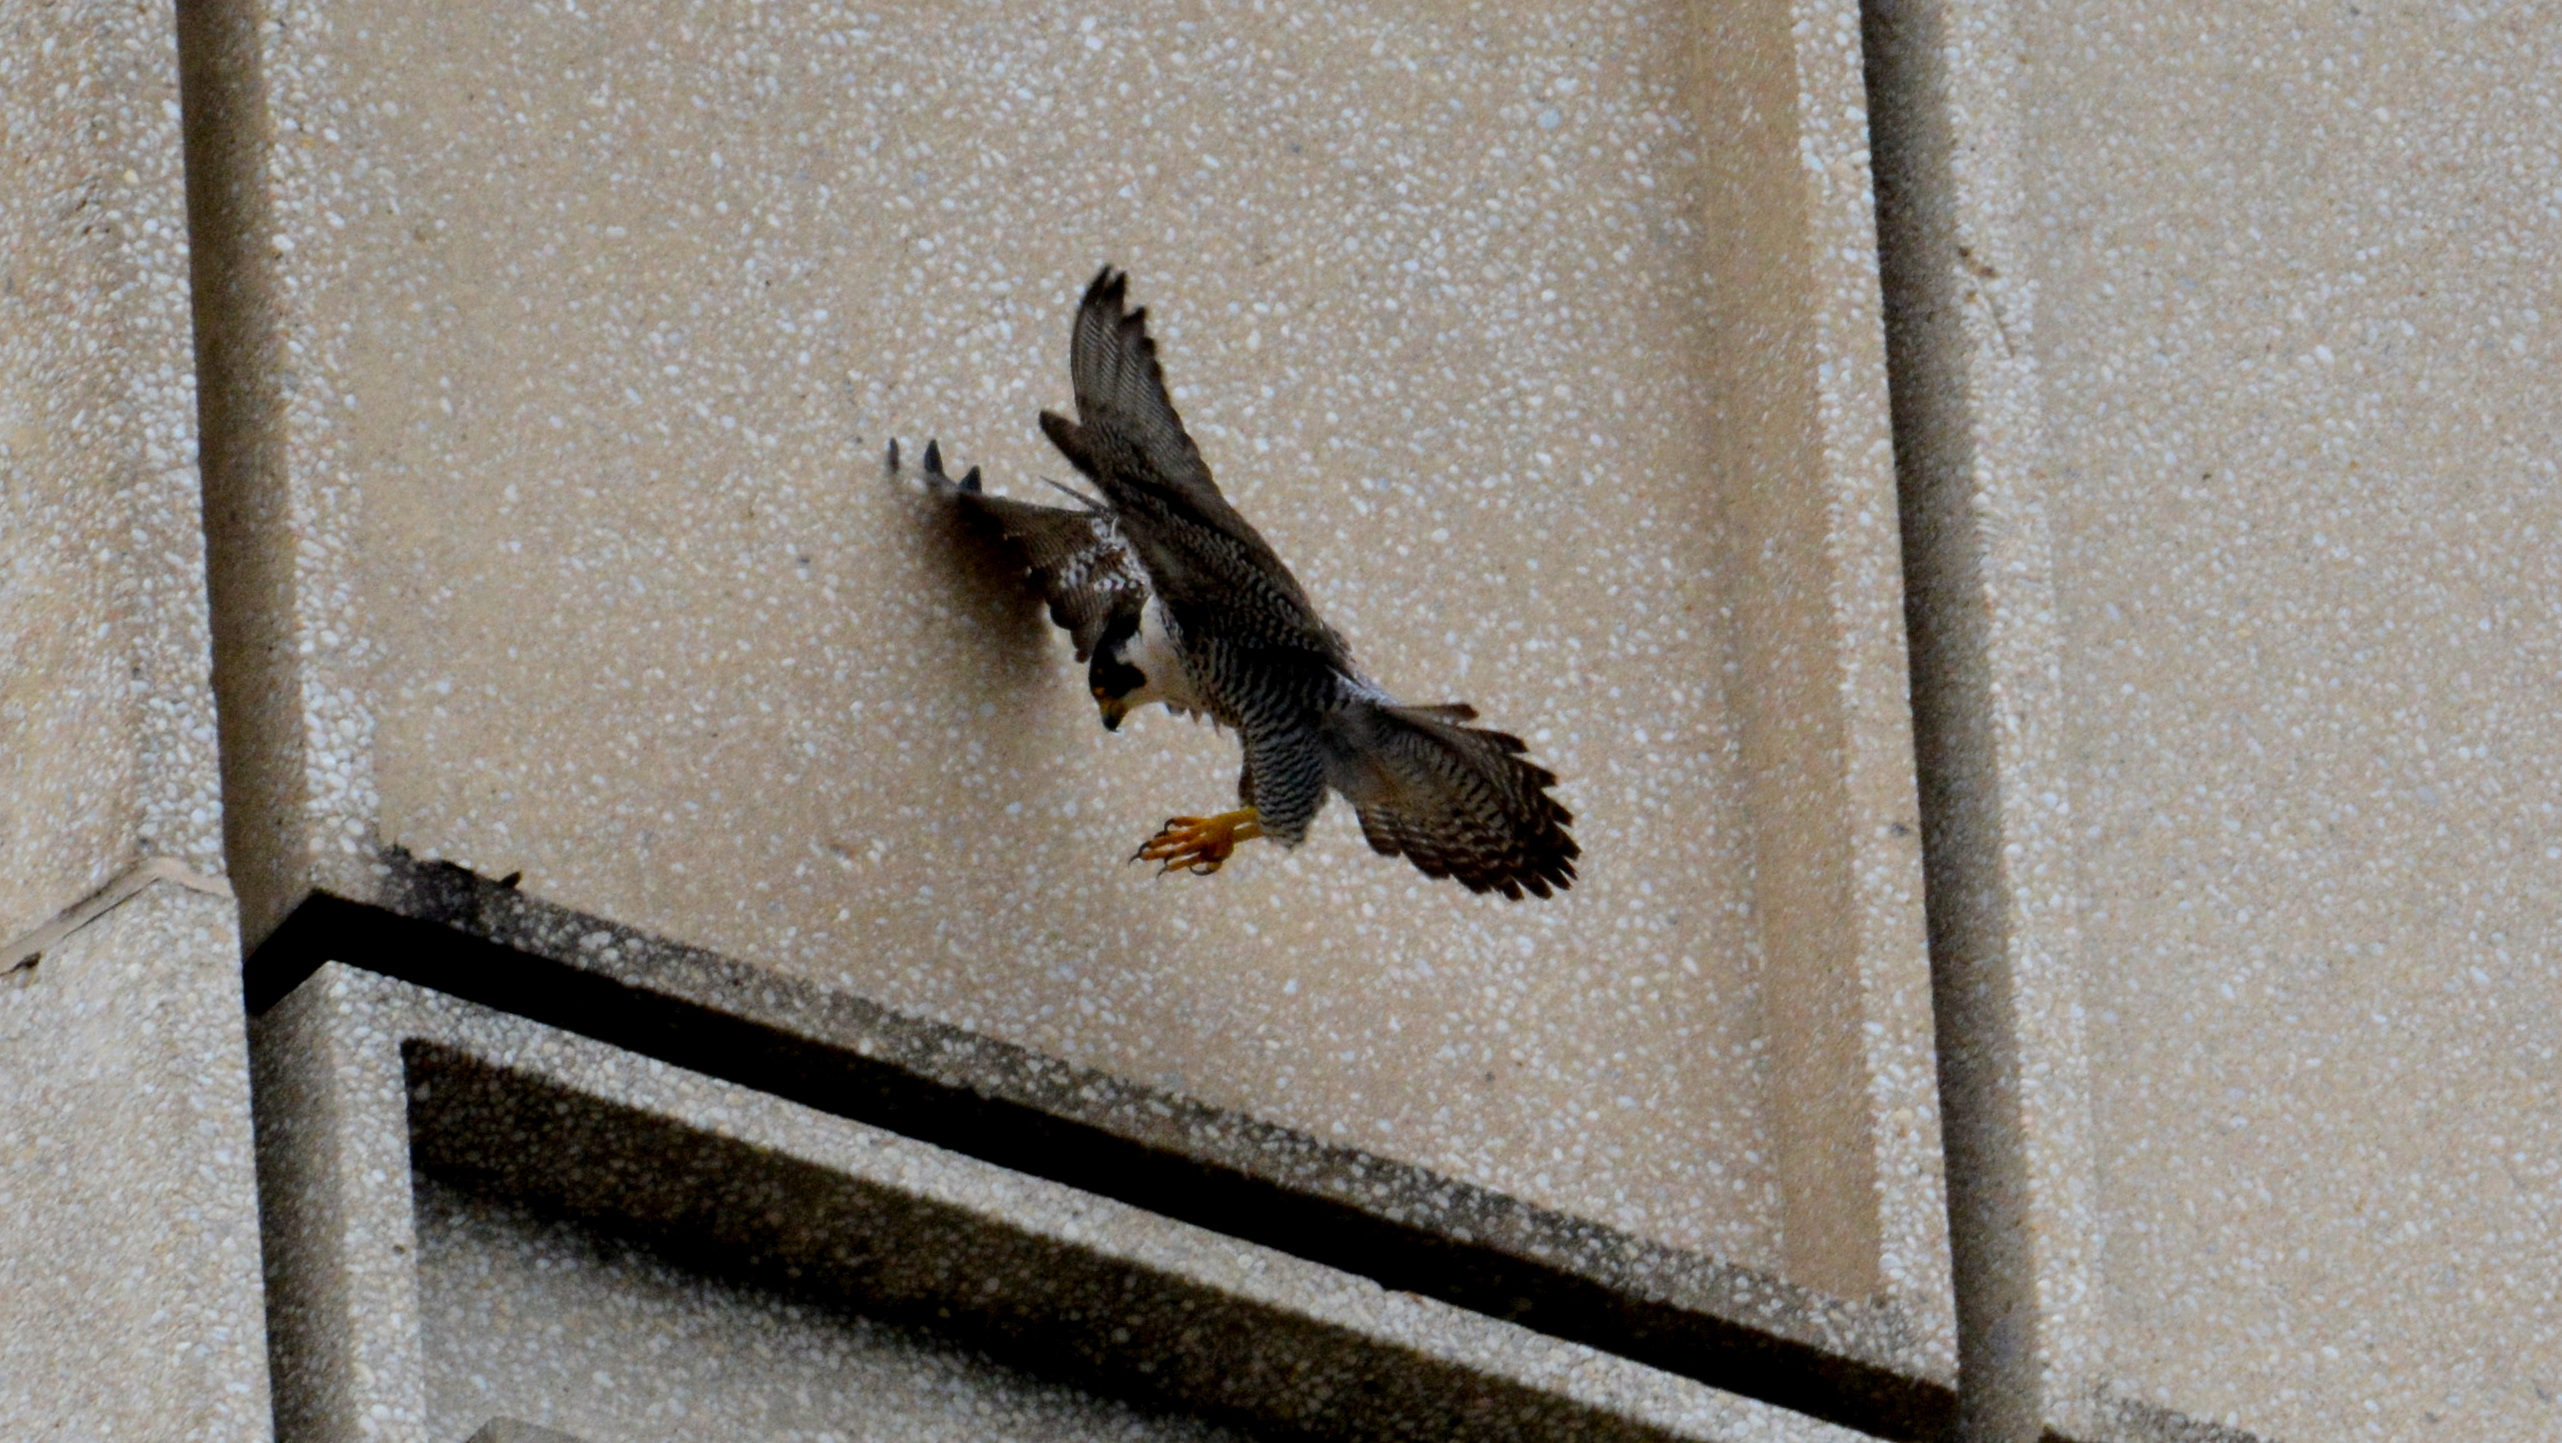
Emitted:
<point x="1170" y="596"/>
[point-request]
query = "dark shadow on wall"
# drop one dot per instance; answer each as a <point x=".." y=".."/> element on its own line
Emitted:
<point x="952" y="1280"/>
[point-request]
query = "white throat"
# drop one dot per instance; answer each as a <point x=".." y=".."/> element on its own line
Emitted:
<point x="1155" y="652"/>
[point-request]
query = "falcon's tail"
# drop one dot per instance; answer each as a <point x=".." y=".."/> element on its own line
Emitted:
<point x="1456" y="800"/>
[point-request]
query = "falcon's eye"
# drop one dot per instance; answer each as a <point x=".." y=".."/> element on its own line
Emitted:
<point x="1115" y="682"/>
<point x="1112" y="677"/>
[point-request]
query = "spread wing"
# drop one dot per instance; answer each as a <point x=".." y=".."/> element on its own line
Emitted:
<point x="1073" y="556"/>
<point x="1456" y="800"/>
<point x="1126" y="436"/>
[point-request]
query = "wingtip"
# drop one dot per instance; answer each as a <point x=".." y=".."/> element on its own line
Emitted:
<point x="930" y="470"/>
<point x="1069" y="437"/>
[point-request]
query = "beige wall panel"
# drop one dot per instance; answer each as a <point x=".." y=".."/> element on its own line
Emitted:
<point x="2294" y="332"/>
<point x="129" y="1296"/>
<point x="1542" y="342"/>
<point x="528" y="1317"/>
<point x="2309" y="527"/>
<point x="106" y="733"/>
<point x="129" y="1285"/>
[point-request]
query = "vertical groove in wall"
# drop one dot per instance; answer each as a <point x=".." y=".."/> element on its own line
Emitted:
<point x="1949" y="625"/>
<point x="1789" y="687"/>
<point x="249" y="550"/>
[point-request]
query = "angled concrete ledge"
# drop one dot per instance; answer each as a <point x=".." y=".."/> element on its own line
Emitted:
<point x="1402" y="1225"/>
<point x="375" y="1094"/>
<point x="22" y="954"/>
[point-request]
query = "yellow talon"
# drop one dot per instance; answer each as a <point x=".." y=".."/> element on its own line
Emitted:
<point x="1199" y="844"/>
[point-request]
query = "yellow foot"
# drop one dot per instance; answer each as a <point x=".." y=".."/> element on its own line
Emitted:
<point x="1199" y="844"/>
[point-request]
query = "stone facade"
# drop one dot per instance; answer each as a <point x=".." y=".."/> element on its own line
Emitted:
<point x="2046" y="635"/>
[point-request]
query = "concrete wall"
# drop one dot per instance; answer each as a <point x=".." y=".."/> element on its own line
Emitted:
<point x="129" y="1282"/>
<point x="2229" y="373"/>
<point x="129" y="1298"/>
<point x="547" y="357"/>
<point x="1545" y="345"/>
<point x="106" y="726"/>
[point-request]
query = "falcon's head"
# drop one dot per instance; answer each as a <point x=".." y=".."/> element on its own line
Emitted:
<point x="1119" y="685"/>
<point x="1135" y="664"/>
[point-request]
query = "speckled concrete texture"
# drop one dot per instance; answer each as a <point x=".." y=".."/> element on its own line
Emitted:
<point x="542" y="1318"/>
<point x="516" y="1430"/>
<point x="129" y="1303"/>
<point x="341" y="1244"/>
<point x="106" y="725"/>
<point x="2243" y="329"/>
<point x="505" y="1115"/>
<point x="1542" y="341"/>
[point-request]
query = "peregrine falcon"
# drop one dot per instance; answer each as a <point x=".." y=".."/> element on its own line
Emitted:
<point x="1170" y="596"/>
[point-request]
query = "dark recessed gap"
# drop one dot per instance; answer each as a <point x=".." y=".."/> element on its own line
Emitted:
<point x="1104" y="1326"/>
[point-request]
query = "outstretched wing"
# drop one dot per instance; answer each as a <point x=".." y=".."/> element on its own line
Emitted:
<point x="1126" y="432"/>
<point x="1456" y="800"/>
<point x="1073" y="557"/>
<point x="1127" y="437"/>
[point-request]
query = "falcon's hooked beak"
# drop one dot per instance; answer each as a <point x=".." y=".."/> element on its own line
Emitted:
<point x="1119" y="688"/>
<point x="1113" y="709"/>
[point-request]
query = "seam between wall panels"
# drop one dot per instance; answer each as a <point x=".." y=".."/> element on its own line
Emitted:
<point x="249" y="531"/>
<point x="294" y="721"/>
<point x="22" y="953"/>
<point x="176" y="763"/>
<point x="1981" y="617"/>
